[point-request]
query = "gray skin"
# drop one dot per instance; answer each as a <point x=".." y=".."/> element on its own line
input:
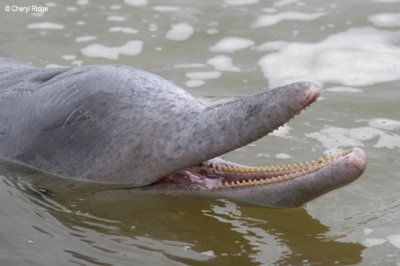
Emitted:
<point x="120" y="125"/>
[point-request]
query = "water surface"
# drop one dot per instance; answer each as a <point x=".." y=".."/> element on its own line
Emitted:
<point x="219" y="51"/>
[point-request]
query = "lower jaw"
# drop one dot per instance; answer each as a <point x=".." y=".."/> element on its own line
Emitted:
<point x="283" y="186"/>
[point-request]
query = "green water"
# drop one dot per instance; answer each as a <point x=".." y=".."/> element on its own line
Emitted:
<point x="221" y="50"/>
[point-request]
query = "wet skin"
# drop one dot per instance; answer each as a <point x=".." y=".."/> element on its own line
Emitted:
<point x="120" y="125"/>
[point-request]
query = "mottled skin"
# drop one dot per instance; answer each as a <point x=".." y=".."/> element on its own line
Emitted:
<point x="117" y="124"/>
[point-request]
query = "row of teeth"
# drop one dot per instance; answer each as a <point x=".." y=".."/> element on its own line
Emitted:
<point x="239" y="169"/>
<point x="310" y="169"/>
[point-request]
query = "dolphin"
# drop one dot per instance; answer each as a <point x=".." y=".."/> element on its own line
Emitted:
<point x="125" y="126"/>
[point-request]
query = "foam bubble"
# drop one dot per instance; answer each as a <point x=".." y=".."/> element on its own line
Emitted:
<point x="46" y="26"/>
<point x="368" y="231"/>
<point x="333" y="137"/>
<point x="136" y="2"/>
<point x="222" y="63"/>
<point x="240" y="2"/>
<point x="283" y="156"/>
<point x="270" y="46"/>
<point x="123" y="30"/>
<point x="68" y="57"/>
<point x="189" y="65"/>
<point x="71" y="8"/>
<point x="285" y="2"/>
<point x="269" y="20"/>
<point x="208" y="253"/>
<point x="167" y="8"/>
<point x="386" y="124"/>
<point x="344" y="89"/>
<point x="82" y="2"/>
<point x="283" y="132"/>
<point x="203" y="75"/>
<point x="180" y="32"/>
<point x="131" y="48"/>
<point x="385" y="20"/>
<point x="85" y="38"/>
<point x="336" y="60"/>
<point x="231" y="45"/>
<point x="370" y="242"/>
<point x="394" y="240"/>
<point x="194" y="83"/>
<point x="116" y="18"/>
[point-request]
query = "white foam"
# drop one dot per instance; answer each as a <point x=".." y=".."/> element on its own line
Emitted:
<point x="127" y="30"/>
<point x="340" y="58"/>
<point x="285" y="2"/>
<point x="394" y="240"/>
<point x="116" y="18"/>
<point x="269" y="20"/>
<point x="167" y="8"/>
<point x="194" y="83"/>
<point x="115" y="7"/>
<point x="203" y="75"/>
<point x="180" y="32"/>
<point x="85" y="38"/>
<point x="131" y="48"/>
<point x="136" y="2"/>
<point x="370" y="242"/>
<point x="71" y="8"/>
<point x="68" y="57"/>
<point x="386" y="20"/>
<point x="333" y="137"/>
<point x="270" y="46"/>
<point x="222" y="63"/>
<point x="231" y="45"/>
<point x="283" y="131"/>
<point x="208" y="253"/>
<point x="82" y="2"/>
<point x="368" y="231"/>
<point x="53" y="66"/>
<point x="212" y="31"/>
<point x="344" y="89"/>
<point x="383" y="123"/>
<point x="189" y="65"/>
<point x="240" y="2"/>
<point x="46" y="26"/>
<point x="283" y="156"/>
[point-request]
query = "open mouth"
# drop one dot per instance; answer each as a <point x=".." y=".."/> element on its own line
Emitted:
<point x="274" y="186"/>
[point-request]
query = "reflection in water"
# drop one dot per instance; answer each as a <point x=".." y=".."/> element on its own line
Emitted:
<point x="120" y="226"/>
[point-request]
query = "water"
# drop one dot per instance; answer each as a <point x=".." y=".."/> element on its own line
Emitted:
<point x="219" y="51"/>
